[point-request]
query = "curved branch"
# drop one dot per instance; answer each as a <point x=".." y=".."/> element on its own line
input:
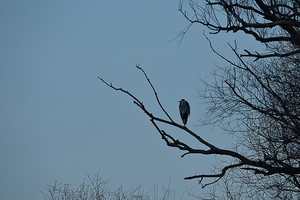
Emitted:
<point x="218" y="176"/>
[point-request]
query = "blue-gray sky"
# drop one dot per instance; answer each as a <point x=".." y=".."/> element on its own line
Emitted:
<point x="58" y="122"/>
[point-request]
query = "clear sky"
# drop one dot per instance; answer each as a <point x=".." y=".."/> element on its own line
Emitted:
<point x="59" y="122"/>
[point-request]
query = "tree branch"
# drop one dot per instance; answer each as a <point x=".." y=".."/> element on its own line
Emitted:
<point x="254" y="18"/>
<point x="255" y="165"/>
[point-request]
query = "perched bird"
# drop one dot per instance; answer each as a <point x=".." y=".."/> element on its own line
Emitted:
<point x="184" y="109"/>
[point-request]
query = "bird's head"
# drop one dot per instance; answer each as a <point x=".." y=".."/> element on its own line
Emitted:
<point x="181" y="100"/>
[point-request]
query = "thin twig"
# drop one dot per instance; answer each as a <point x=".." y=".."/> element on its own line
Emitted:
<point x="155" y="93"/>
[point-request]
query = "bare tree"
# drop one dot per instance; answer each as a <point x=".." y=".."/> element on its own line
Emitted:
<point x="256" y="98"/>
<point x="96" y="188"/>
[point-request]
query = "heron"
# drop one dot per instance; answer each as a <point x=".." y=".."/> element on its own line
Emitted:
<point x="184" y="110"/>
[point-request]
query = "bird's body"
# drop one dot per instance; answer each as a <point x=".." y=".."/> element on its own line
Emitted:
<point x="184" y="110"/>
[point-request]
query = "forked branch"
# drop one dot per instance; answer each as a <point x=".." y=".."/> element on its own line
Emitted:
<point x="241" y="162"/>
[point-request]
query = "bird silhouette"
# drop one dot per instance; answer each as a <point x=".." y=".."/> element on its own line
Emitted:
<point x="184" y="110"/>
